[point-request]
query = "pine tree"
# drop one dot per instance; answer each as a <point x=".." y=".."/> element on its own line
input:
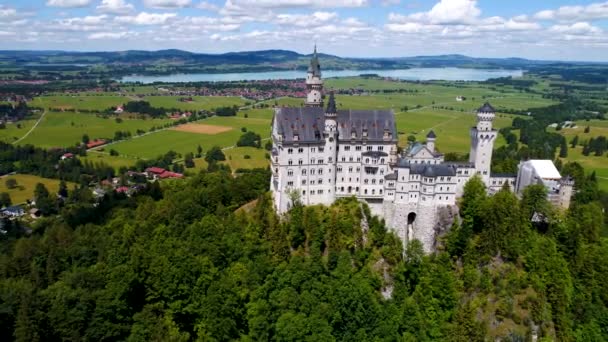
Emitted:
<point x="574" y="141"/>
<point x="563" y="149"/>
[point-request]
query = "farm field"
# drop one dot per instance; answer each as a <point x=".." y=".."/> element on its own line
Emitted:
<point x="198" y="103"/>
<point x="14" y="131"/>
<point x="116" y="162"/>
<point x="26" y="185"/>
<point x="104" y="101"/>
<point x="60" y="129"/>
<point x="153" y="145"/>
<point x="591" y="163"/>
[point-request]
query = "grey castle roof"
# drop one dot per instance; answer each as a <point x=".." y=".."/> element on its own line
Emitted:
<point x="428" y="170"/>
<point x="431" y="135"/>
<point x="308" y="123"/>
<point x="486" y="108"/>
<point x="417" y="147"/>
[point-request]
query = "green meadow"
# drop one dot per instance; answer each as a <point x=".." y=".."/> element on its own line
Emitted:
<point x="26" y="185"/>
<point x="61" y="129"/>
<point x="153" y="145"/>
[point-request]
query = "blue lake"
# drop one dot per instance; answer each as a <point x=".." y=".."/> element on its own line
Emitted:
<point x="413" y="74"/>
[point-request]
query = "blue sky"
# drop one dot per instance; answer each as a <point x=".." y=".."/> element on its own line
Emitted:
<point x="540" y="29"/>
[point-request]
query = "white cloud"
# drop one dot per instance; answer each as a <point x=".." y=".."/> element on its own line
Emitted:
<point x="595" y="11"/>
<point x="115" y="7"/>
<point x="580" y="28"/>
<point x="84" y="24"/>
<point x="207" y="6"/>
<point x="387" y="3"/>
<point x="108" y="35"/>
<point x="449" y="12"/>
<point x="295" y="3"/>
<point x="306" y="20"/>
<point x="68" y="3"/>
<point x="167" y="3"/>
<point x="145" y="18"/>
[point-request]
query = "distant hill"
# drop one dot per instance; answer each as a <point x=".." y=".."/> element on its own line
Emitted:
<point x="70" y="64"/>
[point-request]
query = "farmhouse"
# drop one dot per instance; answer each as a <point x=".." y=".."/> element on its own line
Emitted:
<point x="323" y="154"/>
<point x="96" y="143"/>
<point x="160" y="173"/>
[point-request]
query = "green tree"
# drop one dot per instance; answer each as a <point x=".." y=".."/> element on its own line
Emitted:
<point x="5" y="199"/>
<point x="214" y="154"/>
<point x="11" y="183"/>
<point x="85" y="139"/>
<point x="574" y="141"/>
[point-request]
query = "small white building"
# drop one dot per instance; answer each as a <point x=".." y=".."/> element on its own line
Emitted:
<point x="545" y="173"/>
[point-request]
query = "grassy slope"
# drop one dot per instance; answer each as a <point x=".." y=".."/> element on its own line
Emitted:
<point x="60" y="129"/>
<point x="26" y="186"/>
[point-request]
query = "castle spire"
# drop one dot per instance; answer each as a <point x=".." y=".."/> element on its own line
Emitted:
<point x="331" y="104"/>
<point x="314" y="83"/>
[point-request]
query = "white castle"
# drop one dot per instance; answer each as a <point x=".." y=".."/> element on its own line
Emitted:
<point x="320" y="155"/>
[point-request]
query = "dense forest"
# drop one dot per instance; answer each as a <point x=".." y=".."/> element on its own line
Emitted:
<point x="190" y="261"/>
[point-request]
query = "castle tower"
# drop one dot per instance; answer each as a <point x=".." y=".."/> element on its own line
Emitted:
<point x="430" y="141"/>
<point x="330" y="134"/>
<point x="482" y="141"/>
<point x="314" y="83"/>
<point x="566" y="189"/>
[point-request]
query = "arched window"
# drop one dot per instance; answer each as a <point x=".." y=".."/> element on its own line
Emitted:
<point x="303" y="172"/>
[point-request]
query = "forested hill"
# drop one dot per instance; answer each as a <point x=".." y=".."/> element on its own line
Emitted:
<point x="279" y="59"/>
<point x="181" y="263"/>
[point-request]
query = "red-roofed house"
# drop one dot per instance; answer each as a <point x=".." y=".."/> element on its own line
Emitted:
<point x="96" y="143"/>
<point x="122" y="190"/>
<point x="67" y="156"/>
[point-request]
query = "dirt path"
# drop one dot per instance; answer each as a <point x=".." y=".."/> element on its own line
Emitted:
<point x="31" y="129"/>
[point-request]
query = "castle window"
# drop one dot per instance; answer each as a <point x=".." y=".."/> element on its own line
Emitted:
<point x="320" y="171"/>
<point x="330" y="159"/>
<point x="312" y="182"/>
<point x="303" y="181"/>
<point x="320" y="191"/>
<point x="320" y="161"/>
<point x="373" y="181"/>
<point x="357" y="148"/>
<point x="312" y="171"/>
<point x="290" y="183"/>
<point x="321" y="149"/>
<point x="358" y="169"/>
<point x="303" y="172"/>
<point x="303" y="192"/>
<point x="320" y="181"/>
<point x="343" y="158"/>
<point x="350" y="158"/>
<point x="312" y="160"/>
<point x="350" y="169"/>
<point x="290" y="173"/>
<point x="300" y="162"/>
<point x="366" y="160"/>
<point x="440" y="198"/>
<point x="381" y="181"/>
<point x="358" y="159"/>
<point x="382" y="161"/>
<point x="300" y="150"/>
<point x="290" y="162"/>
<point x="289" y="150"/>
<point x="380" y="191"/>
<point x="312" y="150"/>
<point x="339" y="169"/>
<point x="373" y="191"/>
<point x="369" y="148"/>
<point x="346" y="148"/>
<point x="366" y="181"/>
<point x="380" y="148"/>
<point x="365" y="191"/>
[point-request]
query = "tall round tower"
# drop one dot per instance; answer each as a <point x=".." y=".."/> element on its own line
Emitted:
<point x="482" y="141"/>
<point x="314" y="83"/>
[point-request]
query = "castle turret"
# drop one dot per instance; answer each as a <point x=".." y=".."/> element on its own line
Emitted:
<point x="482" y="141"/>
<point x="430" y="141"/>
<point x="314" y="83"/>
